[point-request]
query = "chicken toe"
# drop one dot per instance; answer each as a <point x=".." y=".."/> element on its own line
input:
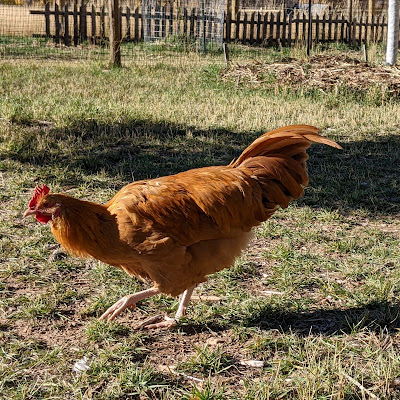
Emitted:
<point x="165" y="324"/>
<point x="128" y="301"/>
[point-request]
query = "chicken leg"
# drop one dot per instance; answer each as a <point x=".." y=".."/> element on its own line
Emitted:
<point x="130" y="301"/>
<point x="127" y="301"/>
<point x="167" y="321"/>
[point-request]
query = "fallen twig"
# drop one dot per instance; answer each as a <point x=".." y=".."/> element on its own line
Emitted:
<point x="361" y="387"/>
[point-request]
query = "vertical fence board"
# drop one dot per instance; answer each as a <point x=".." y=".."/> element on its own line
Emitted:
<point x="343" y="26"/>
<point x="271" y="29"/>
<point x="258" y="29"/>
<point x="278" y="29"/>
<point x="66" y="25"/>
<point x="192" y="21"/>
<point x="57" y="23"/>
<point x="93" y="24"/>
<point x="138" y="28"/>
<point x="324" y="39"/>
<point x="76" y="26"/>
<point x="366" y="29"/>
<point x="296" y="28"/>
<point x="171" y="19"/>
<point x="282" y="41"/>
<point x="265" y="28"/>
<point x="228" y="26"/>
<point x="163" y="24"/>
<point x="83" y="23"/>
<point x="47" y="19"/>
<point x="251" y="33"/>
<point x="120" y="22"/>
<point x="316" y="23"/>
<point x="244" y="34"/>
<point x="330" y="28"/>
<point x="128" y="24"/>
<point x="304" y="26"/>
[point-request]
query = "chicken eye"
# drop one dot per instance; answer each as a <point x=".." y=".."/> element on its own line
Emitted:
<point x="45" y="204"/>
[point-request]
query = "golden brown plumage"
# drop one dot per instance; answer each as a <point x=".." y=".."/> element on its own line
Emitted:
<point x="178" y="229"/>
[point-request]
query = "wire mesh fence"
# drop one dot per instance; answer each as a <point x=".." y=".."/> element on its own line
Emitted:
<point x="200" y="22"/>
<point x="76" y="30"/>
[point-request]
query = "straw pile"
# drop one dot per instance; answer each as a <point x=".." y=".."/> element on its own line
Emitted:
<point x="323" y="72"/>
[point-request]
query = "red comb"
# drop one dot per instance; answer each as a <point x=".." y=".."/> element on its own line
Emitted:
<point x="40" y="191"/>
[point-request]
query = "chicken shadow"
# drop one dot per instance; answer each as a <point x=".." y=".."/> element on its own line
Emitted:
<point x="374" y="317"/>
<point x="362" y="176"/>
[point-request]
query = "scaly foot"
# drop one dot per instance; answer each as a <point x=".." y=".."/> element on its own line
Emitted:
<point x="128" y="302"/>
<point x="165" y="323"/>
<point x="119" y="306"/>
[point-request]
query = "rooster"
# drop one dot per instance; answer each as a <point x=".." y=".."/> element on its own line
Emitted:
<point x="176" y="230"/>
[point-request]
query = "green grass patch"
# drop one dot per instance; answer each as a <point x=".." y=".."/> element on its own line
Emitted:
<point x="315" y="296"/>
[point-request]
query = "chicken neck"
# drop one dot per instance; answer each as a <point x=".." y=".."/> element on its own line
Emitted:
<point x="88" y="229"/>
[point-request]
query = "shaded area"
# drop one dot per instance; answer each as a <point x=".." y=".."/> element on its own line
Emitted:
<point x="362" y="176"/>
<point x="374" y="317"/>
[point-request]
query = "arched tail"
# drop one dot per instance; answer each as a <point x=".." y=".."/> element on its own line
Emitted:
<point x="277" y="161"/>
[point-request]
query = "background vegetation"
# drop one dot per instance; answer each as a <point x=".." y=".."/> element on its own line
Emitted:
<point x="314" y="298"/>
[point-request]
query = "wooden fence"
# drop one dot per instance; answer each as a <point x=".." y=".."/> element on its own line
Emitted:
<point x="88" y="24"/>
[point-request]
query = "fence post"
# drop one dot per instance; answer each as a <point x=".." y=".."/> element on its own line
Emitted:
<point x="392" y="32"/>
<point x="115" y="37"/>
<point x="47" y="18"/>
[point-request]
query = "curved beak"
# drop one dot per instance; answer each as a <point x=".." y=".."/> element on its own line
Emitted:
<point x="29" y="211"/>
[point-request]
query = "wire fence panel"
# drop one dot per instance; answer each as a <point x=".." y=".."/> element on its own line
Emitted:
<point x="200" y="22"/>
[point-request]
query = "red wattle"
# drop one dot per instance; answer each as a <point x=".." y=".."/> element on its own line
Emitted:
<point x="43" y="219"/>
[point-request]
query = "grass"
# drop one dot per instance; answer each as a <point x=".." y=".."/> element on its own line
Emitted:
<point x="315" y="297"/>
